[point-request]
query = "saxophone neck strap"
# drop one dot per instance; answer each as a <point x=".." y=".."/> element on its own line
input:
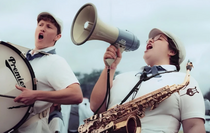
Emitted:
<point x="143" y="77"/>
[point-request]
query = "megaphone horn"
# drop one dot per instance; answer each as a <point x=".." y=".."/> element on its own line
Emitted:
<point x="87" y="26"/>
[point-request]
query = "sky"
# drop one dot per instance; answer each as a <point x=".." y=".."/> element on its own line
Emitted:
<point x="189" y="20"/>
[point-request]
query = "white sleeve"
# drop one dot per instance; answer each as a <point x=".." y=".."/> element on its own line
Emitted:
<point x="192" y="102"/>
<point x="60" y="74"/>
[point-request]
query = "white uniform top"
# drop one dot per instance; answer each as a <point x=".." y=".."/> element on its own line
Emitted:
<point x="53" y="73"/>
<point x="56" y="125"/>
<point x="168" y="115"/>
<point x="84" y="111"/>
<point x="65" y="110"/>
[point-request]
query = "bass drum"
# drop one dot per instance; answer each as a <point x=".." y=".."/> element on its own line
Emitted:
<point x="14" y="70"/>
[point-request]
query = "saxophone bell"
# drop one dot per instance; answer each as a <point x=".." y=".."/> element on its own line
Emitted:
<point x="131" y="125"/>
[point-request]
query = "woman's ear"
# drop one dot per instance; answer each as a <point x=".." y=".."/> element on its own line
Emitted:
<point x="172" y="53"/>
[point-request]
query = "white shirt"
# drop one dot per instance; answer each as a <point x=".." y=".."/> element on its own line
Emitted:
<point x="56" y="124"/>
<point x="84" y="111"/>
<point x="168" y="115"/>
<point x="53" y="73"/>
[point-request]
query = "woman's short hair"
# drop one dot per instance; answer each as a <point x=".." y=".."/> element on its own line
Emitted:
<point x="174" y="60"/>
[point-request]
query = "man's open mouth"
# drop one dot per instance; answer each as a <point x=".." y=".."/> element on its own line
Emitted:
<point x="40" y="36"/>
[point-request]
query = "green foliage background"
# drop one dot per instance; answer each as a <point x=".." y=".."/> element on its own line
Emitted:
<point x="88" y="80"/>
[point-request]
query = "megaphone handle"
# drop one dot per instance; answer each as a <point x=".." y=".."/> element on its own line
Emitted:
<point x="108" y="61"/>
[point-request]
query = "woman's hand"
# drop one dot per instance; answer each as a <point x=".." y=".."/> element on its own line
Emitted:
<point x="112" y="53"/>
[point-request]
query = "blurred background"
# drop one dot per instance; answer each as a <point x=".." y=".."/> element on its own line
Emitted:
<point x="189" y="20"/>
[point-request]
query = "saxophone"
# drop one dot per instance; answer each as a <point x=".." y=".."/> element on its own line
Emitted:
<point x="126" y="117"/>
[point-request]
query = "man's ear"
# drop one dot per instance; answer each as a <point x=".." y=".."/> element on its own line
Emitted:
<point x="57" y="37"/>
<point x="172" y="53"/>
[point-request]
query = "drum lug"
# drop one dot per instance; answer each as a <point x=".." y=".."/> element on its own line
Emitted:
<point x="35" y="81"/>
<point x="23" y="54"/>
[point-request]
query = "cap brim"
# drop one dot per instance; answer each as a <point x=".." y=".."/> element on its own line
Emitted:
<point x="154" y="32"/>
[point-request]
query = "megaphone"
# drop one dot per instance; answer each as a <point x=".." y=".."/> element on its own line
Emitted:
<point x="87" y="26"/>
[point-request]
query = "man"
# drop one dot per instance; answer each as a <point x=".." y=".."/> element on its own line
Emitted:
<point x="165" y="50"/>
<point x="79" y="112"/>
<point x="56" y="82"/>
<point x="55" y="120"/>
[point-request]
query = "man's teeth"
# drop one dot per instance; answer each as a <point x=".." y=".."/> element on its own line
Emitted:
<point x="41" y="36"/>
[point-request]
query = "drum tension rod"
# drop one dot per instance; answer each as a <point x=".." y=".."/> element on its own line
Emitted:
<point x="20" y="106"/>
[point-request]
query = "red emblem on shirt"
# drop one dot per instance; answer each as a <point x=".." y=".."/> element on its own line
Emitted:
<point x="191" y="91"/>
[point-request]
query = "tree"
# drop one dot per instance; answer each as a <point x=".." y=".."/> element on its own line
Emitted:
<point x="87" y="81"/>
<point x="207" y="95"/>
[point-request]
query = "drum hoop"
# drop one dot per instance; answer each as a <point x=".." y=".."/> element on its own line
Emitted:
<point x="33" y="83"/>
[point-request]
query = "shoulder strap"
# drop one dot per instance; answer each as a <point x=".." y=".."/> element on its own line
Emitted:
<point x="143" y="77"/>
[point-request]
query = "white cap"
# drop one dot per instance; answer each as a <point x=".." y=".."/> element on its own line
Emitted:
<point x="182" y="53"/>
<point x="59" y="21"/>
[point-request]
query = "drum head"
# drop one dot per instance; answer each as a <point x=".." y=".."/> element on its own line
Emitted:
<point x="14" y="69"/>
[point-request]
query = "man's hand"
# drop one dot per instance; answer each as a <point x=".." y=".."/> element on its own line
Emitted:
<point x="27" y="96"/>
